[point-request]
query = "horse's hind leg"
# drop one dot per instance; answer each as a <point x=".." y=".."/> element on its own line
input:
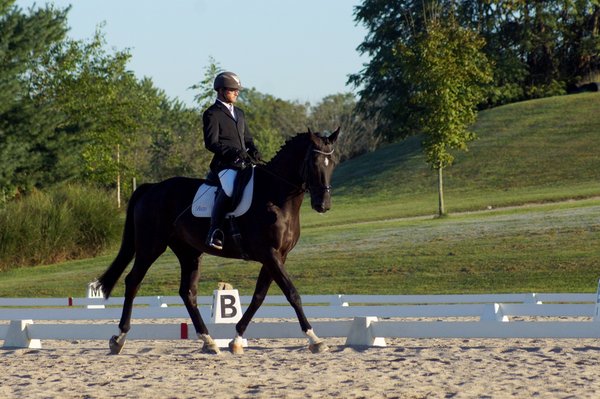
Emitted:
<point x="132" y="284"/>
<point x="188" y="290"/>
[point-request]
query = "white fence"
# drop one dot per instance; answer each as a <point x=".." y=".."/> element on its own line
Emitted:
<point x="365" y="320"/>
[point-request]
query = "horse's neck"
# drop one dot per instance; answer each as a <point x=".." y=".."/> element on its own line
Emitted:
<point x="283" y="183"/>
<point x="281" y="186"/>
<point x="287" y="169"/>
<point x="283" y="174"/>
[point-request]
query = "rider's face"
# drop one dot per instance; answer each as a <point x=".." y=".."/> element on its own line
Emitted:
<point x="230" y="95"/>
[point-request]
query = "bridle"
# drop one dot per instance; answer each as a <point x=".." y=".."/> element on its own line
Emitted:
<point x="305" y="169"/>
<point x="306" y="186"/>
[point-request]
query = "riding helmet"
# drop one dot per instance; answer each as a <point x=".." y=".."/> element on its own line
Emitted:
<point x="227" y="80"/>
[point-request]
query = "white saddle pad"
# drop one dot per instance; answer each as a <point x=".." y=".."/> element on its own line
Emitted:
<point x="205" y="199"/>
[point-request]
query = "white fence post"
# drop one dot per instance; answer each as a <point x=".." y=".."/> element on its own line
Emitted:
<point x="597" y="310"/>
<point x="339" y="301"/>
<point x="360" y="333"/>
<point x="493" y="312"/>
<point x="160" y="303"/>
<point x="532" y="298"/>
<point x="361" y="328"/>
<point x="17" y="336"/>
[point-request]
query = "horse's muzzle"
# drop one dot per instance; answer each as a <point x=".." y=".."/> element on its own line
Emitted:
<point x="321" y="208"/>
<point x="322" y="204"/>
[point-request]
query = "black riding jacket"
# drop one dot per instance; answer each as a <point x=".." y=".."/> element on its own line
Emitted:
<point x="226" y="137"/>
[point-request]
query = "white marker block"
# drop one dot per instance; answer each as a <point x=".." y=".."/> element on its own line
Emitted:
<point x="94" y="291"/>
<point x="17" y="336"/>
<point x="226" y="309"/>
<point x="493" y="312"/>
<point x="361" y="335"/>
<point x="226" y="306"/>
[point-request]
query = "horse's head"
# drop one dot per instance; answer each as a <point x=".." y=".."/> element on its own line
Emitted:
<point x="318" y="168"/>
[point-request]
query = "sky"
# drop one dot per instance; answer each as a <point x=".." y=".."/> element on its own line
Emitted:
<point x="291" y="49"/>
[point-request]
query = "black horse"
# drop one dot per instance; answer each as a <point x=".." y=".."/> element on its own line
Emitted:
<point x="159" y="216"/>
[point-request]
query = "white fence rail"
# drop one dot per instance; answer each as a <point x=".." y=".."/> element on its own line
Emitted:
<point x="360" y="317"/>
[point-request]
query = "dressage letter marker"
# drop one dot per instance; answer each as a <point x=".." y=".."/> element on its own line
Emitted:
<point x="226" y="306"/>
<point x="226" y="309"/>
<point x="94" y="291"/>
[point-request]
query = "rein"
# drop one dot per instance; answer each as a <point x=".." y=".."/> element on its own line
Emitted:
<point x="300" y="189"/>
<point x="304" y="173"/>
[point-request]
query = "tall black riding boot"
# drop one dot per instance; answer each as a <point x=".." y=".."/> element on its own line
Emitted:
<point x="215" y="236"/>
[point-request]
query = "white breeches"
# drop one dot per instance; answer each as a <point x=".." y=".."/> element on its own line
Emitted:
<point x="227" y="179"/>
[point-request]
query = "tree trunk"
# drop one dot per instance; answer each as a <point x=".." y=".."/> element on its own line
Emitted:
<point x="441" y="208"/>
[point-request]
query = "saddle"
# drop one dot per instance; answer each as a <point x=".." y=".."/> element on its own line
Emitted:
<point x="241" y="198"/>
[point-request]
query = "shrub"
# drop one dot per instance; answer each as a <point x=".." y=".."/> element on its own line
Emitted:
<point x="67" y="222"/>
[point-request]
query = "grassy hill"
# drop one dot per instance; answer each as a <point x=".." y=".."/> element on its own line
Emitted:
<point x="538" y="153"/>
<point x="533" y="151"/>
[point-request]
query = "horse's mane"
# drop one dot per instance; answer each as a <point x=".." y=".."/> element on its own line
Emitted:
<point x="291" y="144"/>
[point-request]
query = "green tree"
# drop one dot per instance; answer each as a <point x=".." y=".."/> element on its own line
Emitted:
<point x="107" y="111"/>
<point x="448" y="72"/>
<point x="206" y="92"/>
<point x="271" y="120"/>
<point x="539" y="48"/>
<point x="177" y="143"/>
<point x="358" y="133"/>
<point x="26" y="127"/>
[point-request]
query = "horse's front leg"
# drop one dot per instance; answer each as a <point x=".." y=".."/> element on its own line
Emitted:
<point x="282" y="279"/>
<point x="260" y="292"/>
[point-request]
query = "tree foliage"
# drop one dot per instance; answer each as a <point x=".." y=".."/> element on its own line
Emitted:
<point x="71" y="110"/>
<point x="441" y="72"/>
<point x="538" y="48"/>
<point x="26" y="126"/>
<point x="447" y="72"/>
<point x="358" y="133"/>
<point x="271" y="119"/>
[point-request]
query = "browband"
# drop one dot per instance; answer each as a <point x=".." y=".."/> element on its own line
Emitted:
<point x="323" y="152"/>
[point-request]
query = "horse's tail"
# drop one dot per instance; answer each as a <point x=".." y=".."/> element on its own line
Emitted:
<point x="109" y="279"/>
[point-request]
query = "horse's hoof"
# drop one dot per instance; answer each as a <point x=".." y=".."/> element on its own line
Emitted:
<point x="236" y="349"/>
<point x="211" y="349"/>
<point x="115" y="345"/>
<point x="318" y="347"/>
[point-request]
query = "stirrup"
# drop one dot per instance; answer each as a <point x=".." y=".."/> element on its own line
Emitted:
<point x="214" y="241"/>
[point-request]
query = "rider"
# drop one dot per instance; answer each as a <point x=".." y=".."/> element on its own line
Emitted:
<point x="226" y="134"/>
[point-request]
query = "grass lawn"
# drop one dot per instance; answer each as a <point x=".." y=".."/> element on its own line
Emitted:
<point x="542" y="248"/>
<point x="536" y="165"/>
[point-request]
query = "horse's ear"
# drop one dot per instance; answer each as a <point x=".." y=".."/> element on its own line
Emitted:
<point x="310" y="131"/>
<point x="333" y="136"/>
